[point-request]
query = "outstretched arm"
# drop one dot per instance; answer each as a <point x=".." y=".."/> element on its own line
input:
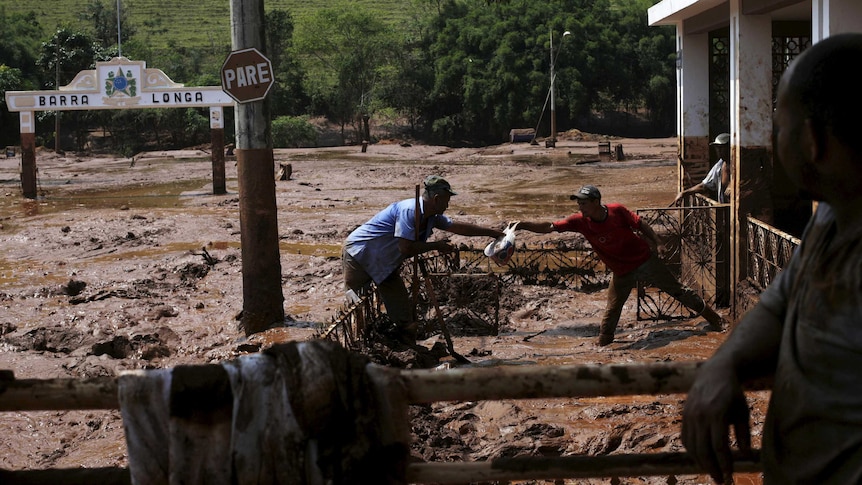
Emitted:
<point x="411" y="248"/>
<point x="467" y="229"/>
<point x="695" y="189"/>
<point x="539" y="227"/>
<point x="716" y="401"/>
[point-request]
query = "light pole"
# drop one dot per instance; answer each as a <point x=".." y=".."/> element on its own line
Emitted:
<point x="552" y="141"/>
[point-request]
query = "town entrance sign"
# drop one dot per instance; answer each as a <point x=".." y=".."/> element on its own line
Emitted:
<point x="117" y="84"/>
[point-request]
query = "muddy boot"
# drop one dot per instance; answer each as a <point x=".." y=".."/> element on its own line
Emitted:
<point x="606" y="334"/>
<point x="605" y="339"/>
<point x="406" y="333"/>
<point x="714" y="321"/>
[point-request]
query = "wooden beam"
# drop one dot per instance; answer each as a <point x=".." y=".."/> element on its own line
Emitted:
<point x="421" y="386"/>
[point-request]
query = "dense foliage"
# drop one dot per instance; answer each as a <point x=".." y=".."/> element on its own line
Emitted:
<point x="457" y="71"/>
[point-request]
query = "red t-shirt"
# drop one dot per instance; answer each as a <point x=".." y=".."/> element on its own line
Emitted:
<point x="614" y="239"/>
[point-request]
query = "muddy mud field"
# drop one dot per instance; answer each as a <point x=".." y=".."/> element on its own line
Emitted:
<point x="133" y="263"/>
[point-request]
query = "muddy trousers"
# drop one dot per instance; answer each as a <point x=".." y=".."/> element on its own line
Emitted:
<point x="392" y="290"/>
<point x="654" y="272"/>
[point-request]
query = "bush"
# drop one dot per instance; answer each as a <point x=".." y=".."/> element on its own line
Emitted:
<point x="293" y="132"/>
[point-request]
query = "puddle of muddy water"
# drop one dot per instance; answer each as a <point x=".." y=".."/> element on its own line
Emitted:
<point x="11" y="274"/>
<point x="134" y="197"/>
<point x="169" y="196"/>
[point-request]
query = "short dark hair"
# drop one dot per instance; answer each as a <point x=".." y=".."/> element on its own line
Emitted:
<point x="827" y="94"/>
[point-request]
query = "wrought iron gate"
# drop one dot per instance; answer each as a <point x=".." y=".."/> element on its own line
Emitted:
<point x="697" y="244"/>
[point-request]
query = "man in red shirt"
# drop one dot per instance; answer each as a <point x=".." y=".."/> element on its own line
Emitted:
<point x="628" y="246"/>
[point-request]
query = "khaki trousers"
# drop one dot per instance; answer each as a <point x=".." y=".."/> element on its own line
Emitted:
<point x="654" y="272"/>
<point x="393" y="292"/>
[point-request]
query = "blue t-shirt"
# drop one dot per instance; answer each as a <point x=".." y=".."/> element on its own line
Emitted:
<point x="375" y="244"/>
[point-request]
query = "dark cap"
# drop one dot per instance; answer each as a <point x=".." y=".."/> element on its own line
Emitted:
<point x="586" y="192"/>
<point x="722" y="139"/>
<point x="436" y="183"/>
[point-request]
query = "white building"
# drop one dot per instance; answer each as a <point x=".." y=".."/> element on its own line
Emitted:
<point x="730" y="56"/>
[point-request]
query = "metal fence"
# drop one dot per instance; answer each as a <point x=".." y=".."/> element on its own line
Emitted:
<point x="697" y="246"/>
<point x="696" y="238"/>
<point x="466" y="286"/>
<point x="769" y="251"/>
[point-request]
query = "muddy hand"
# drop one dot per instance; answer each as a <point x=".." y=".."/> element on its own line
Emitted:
<point x="444" y="246"/>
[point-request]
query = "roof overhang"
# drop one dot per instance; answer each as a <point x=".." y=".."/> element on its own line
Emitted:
<point x="674" y="12"/>
<point x="702" y="13"/>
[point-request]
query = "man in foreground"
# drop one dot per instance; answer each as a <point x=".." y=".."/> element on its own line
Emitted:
<point x="806" y="330"/>
<point x="628" y="246"/>
<point x="375" y="250"/>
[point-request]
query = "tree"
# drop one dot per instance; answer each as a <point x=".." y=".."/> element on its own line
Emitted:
<point x="20" y="36"/>
<point x="287" y="96"/>
<point x="11" y="79"/>
<point x="62" y="57"/>
<point x="103" y="20"/>
<point x="491" y="62"/>
<point x="65" y="54"/>
<point x="344" y="48"/>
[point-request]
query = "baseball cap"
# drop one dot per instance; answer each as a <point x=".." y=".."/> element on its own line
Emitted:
<point x="722" y="139"/>
<point x="436" y="183"/>
<point x="586" y="192"/>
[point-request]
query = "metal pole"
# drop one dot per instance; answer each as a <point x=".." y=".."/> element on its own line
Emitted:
<point x="57" y="86"/>
<point x="553" y="140"/>
<point x="119" y="37"/>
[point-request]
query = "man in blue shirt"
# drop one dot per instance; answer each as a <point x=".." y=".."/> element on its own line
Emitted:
<point x="375" y="250"/>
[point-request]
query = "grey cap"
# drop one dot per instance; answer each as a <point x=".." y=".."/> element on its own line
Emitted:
<point x="722" y="139"/>
<point x="586" y="192"/>
<point x="436" y="183"/>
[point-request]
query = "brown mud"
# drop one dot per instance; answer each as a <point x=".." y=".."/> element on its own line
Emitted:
<point x="134" y="264"/>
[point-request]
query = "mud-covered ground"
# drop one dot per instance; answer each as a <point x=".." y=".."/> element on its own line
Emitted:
<point x="134" y="264"/>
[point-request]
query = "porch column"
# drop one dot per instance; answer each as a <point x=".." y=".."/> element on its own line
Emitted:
<point x="830" y="17"/>
<point x="692" y="106"/>
<point x="750" y="128"/>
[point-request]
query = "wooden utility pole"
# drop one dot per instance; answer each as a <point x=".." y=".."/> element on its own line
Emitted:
<point x="263" y="300"/>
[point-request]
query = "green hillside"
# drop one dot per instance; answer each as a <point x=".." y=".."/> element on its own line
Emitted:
<point x="199" y="23"/>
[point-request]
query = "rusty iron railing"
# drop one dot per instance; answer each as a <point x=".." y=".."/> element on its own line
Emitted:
<point x="467" y="286"/>
<point x="696" y="238"/>
<point x="696" y="250"/>
<point x="769" y="251"/>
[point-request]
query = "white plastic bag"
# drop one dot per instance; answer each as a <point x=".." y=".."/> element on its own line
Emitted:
<point x="501" y="250"/>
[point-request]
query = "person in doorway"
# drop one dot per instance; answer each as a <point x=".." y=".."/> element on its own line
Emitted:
<point x="629" y="247"/>
<point x="805" y="331"/>
<point x="717" y="180"/>
<point x="375" y="250"/>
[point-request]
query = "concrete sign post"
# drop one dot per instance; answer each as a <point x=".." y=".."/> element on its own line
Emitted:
<point x="246" y="75"/>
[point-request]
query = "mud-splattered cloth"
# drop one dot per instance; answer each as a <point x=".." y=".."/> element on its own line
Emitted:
<point x="299" y="413"/>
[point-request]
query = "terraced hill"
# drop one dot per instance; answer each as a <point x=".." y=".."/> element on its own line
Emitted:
<point x="192" y="24"/>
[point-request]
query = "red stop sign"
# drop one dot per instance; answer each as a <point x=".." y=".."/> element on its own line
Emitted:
<point x="246" y="75"/>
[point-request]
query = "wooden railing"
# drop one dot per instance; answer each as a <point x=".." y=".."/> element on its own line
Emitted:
<point x="422" y="387"/>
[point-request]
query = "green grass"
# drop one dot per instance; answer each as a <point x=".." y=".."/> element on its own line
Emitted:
<point x="192" y="24"/>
